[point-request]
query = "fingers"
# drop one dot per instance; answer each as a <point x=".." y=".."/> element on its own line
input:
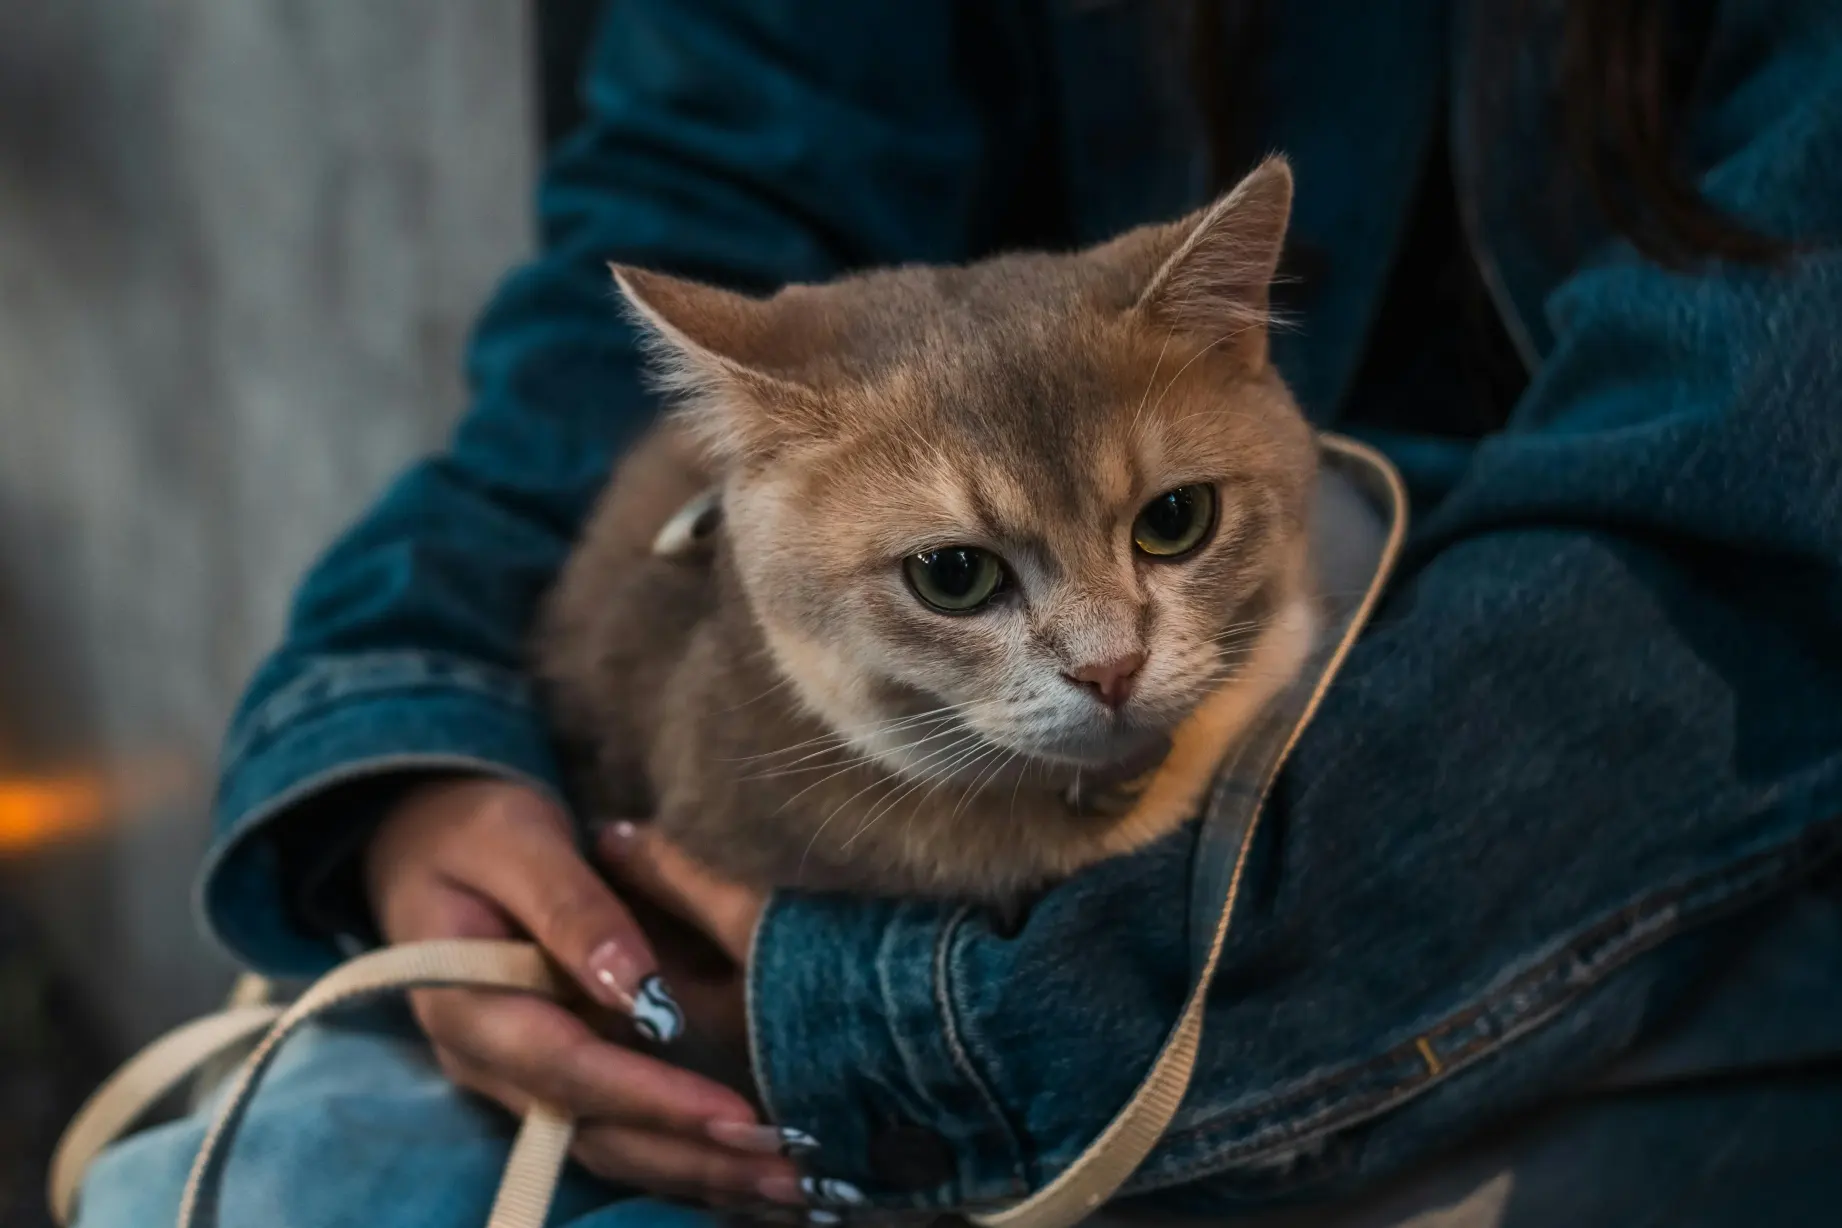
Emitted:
<point x="686" y="1168"/>
<point x="529" y="863"/>
<point x="512" y="847"/>
<point x="643" y="861"/>
<point x="484" y="859"/>
<point x="546" y="1052"/>
<point x="537" y="1045"/>
<point x="733" y="1165"/>
<point x="429" y="906"/>
<point x="477" y="1079"/>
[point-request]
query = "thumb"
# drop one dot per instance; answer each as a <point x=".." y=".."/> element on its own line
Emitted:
<point x="645" y="862"/>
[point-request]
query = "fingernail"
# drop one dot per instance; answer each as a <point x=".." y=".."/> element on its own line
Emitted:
<point x="656" y="1015"/>
<point x="616" y="976"/>
<point x="761" y="1140"/>
<point x="796" y="1142"/>
<point x="619" y="835"/>
<point x="830" y="1189"/>
<point x="781" y="1189"/>
<point x="819" y="1217"/>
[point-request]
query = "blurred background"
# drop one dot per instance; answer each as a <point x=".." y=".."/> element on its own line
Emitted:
<point x="240" y="247"/>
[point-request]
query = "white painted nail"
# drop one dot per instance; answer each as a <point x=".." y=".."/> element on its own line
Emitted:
<point x="831" y="1189"/>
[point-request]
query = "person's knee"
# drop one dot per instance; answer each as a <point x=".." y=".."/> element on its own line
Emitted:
<point x="347" y="1121"/>
<point x="140" y="1180"/>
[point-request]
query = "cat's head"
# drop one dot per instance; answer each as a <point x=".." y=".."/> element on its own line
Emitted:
<point x="1048" y="501"/>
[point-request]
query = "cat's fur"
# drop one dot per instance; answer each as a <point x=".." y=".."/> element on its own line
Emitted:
<point x="776" y="703"/>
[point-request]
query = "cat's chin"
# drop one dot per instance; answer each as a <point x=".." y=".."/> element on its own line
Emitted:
<point x="1121" y="754"/>
<point x="1117" y="754"/>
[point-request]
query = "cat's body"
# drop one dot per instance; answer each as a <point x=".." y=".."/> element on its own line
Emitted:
<point x="800" y="699"/>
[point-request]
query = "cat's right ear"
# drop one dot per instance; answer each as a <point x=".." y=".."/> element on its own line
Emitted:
<point x="1209" y="276"/>
<point x="713" y="351"/>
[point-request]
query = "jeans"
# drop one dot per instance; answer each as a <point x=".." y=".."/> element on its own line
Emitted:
<point x="1731" y="1118"/>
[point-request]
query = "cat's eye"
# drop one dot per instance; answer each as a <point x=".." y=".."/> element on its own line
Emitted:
<point x="1175" y="523"/>
<point x="954" y="579"/>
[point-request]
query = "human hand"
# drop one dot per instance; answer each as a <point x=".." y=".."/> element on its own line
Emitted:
<point x="480" y="858"/>
<point x="651" y="866"/>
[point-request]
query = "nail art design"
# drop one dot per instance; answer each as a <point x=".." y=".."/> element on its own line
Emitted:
<point x="830" y="1189"/>
<point x="762" y="1140"/>
<point x="656" y="1015"/>
<point x="796" y="1142"/>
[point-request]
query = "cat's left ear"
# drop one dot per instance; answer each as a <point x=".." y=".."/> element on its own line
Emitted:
<point x="1216" y="275"/>
<point x="717" y="352"/>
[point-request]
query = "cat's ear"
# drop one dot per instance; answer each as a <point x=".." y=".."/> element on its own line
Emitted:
<point x="1215" y="277"/>
<point x="716" y="351"/>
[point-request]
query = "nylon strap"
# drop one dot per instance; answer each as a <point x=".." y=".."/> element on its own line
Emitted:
<point x="543" y="1140"/>
<point x="149" y="1077"/>
<point x="1111" y="1159"/>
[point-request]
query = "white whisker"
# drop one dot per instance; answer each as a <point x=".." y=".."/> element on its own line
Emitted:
<point x="953" y="754"/>
<point x="941" y="782"/>
<point x="1221" y="340"/>
<point x="784" y="682"/>
<point x="863" y="756"/>
<point x="1155" y="367"/>
<point x="978" y="785"/>
<point x="891" y="725"/>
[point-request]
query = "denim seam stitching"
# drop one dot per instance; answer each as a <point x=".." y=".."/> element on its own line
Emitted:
<point x="962" y="1057"/>
<point x="891" y="1003"/>
<point x="330" y="681"/>
<point x="1645" y="924"/>
<point x="1528" y="1008"/>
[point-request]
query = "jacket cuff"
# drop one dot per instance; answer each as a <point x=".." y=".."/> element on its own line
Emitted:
<point x="289" y="805"/>
<point x="853" y="1025"/>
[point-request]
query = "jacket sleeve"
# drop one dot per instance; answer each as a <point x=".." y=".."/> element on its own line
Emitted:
<point x="1602" y="704"/>
<point x="749" y="144"/>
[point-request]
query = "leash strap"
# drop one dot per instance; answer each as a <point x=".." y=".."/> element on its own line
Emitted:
<point x="149" y="1077"/>
<point x="1111" y="1159"/>
<point x="543" y="1140"/>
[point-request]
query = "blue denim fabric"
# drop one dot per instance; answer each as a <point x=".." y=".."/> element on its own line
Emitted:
<point x="1598" y="720"/>
<point x="355" y="1124"/>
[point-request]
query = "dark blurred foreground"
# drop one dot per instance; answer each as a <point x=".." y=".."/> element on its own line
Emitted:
<point x="50" y="1058"/>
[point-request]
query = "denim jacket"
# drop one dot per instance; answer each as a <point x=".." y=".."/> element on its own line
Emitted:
<point x="1598" y="715"/>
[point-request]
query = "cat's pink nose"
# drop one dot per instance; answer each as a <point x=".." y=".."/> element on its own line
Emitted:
<point x="1110" y="681"/>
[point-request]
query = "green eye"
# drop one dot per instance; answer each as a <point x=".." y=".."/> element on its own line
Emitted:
<point x="954" y="579"/>
<point x="1175" y="522"/>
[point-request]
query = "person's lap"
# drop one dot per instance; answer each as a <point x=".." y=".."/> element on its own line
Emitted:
<point x="355" y="1116"/>
<point x="353" y="1119"/>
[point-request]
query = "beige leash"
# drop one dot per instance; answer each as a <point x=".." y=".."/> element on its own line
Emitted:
<point x="543" y="1141"/>
<point x="537" y="1155"/>
<point x="1111" y="1159"/>
<point x="149" y="1077"/>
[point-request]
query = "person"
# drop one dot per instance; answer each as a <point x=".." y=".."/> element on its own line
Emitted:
<point x="1544" y="911"/>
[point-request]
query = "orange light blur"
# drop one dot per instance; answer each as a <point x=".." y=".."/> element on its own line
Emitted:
<point x="35" y="812"/>
<point x="43" y="810"/>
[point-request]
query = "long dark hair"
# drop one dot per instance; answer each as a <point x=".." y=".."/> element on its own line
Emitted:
<point x="1628" y="70"/>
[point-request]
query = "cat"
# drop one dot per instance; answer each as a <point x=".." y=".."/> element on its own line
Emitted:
<point x="929" y="570"/>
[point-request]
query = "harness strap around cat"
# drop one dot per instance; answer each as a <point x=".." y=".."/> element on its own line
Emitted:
<point x="1360" y="524"/>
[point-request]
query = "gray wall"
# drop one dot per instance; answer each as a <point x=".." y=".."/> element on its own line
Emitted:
<point x="240" y="244"/>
